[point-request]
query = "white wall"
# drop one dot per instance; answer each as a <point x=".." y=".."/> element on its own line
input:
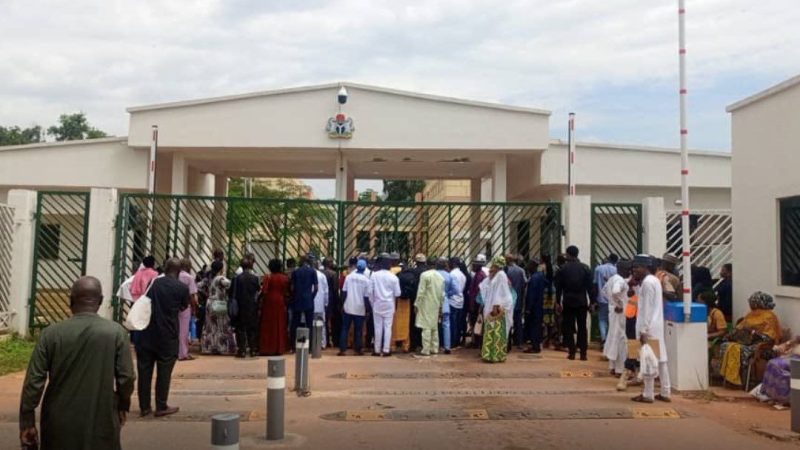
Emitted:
<point x="382" y="119"/>
<point x="74" y="165"/>
<point x="618" y="165"/>
<point x="765" y="168"/>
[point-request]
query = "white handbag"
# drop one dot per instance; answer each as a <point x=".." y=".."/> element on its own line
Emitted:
<point x="139" y="316"/>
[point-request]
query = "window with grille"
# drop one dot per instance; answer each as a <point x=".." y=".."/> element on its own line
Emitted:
<point x="790" y="240"/>
<point x="49" y="241"/>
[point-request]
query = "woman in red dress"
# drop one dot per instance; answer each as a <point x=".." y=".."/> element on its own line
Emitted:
<point x="274" y="329"/>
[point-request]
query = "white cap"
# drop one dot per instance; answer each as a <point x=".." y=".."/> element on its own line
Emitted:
<point x="480" y="259"/>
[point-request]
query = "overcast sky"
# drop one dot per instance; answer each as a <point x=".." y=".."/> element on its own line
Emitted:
<point x="614" y="62"/>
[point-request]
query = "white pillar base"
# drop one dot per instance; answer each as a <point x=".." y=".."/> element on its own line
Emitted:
<point x="578" y="224"/>
<point x="654" y="218"/>
<point x="687" y="355"/>
<point x="24" y="204"/>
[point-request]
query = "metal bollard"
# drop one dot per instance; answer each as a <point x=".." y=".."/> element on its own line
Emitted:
<point x="301" y="363"/>
<point x="795" y="395"/>
<point x="276" y="387"/>
<point x="225" y="432"/>
<point x="316" y="344"/>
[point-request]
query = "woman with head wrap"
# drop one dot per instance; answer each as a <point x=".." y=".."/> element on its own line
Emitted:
<point x="498" y="312"/>
<point x="760" y="327"/>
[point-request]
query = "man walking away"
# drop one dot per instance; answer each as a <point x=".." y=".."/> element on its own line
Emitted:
<point x="86" y="363"/>
<point x="534" y="307"/>
<point x="430" y="297"/>
<point x="158" y="344"/>
<point x="602" y="274"/>
<point x="457" y="318"/>
<point x="354" y="291"/>
<point x="384" y="288"/>
<point x="245" y="290"/>
<point x="420" y="266"/>
<point x="517" y="277"/>
<point x="449" y="291"/>
<point x="650" y="328"/>
<point x="574" y="279"/>
<point x="185" y="316"/>
<point x="304" y="284"/>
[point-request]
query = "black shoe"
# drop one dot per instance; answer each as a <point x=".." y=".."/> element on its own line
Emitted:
<point x="254" y="354"/>
<point x="584" y="358"/>
<point x="145" y="412"/>
<point x="386" y="355"/>
<point x="447" y="352"/>
<point x="571" y="357"/>
<point x="376" y="354"/>
<point x="341" y="353"/>
<point x="240" y="355"/>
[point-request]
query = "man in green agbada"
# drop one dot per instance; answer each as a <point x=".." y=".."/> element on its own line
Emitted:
<point x="430" y="296"/>
<point x="86" y="363"/>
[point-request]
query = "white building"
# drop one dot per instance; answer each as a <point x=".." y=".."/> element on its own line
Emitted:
<point x="505" y="151"/>
<point x="766" y="199"/>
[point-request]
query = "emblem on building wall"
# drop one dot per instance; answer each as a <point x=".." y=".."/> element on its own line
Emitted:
<point x="340" y="127"/>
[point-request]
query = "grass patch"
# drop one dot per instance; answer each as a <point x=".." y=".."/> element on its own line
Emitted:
<point x="15" y="354"/>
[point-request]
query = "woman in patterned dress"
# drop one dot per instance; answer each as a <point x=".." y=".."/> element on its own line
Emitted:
<point x="498" y="310"/>
<point x="218" y="337"/>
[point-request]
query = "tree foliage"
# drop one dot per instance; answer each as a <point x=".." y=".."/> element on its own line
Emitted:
<point x="402" y="190"/>
<point x="73" y="127"/>
<point x="20" y="136"/>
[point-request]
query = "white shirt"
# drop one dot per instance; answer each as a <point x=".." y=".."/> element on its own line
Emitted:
<point x="356" y="285"/>
<point x="650" y="317"/>
<point x="384" y="288"/>
<point x="460" y="281"/>
<point x="321" y="299"/>
<point x="616" y="291"/>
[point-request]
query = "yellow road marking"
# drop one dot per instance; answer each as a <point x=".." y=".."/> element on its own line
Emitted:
<point x="655" y="413"/>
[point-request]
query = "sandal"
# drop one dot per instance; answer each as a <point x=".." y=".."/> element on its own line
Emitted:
<point x="661" y="398"/>
<point x="641" y="399"/>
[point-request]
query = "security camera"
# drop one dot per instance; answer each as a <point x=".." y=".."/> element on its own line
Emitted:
<point x="342" y="95"/>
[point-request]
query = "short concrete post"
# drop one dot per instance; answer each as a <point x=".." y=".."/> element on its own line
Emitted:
<point x="316" y="347"/>
<point x="225" y="432"/>
<point x="654" y="226"/>
<point x="276" y="388"/>
<point x="100" y="244"/>
<point x="24" y="204"/>
<point x="301" y="363"/>
<point x="795" y="395"/>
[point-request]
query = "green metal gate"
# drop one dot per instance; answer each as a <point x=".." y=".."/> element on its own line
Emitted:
<point x="192" y="227"/>
<point x="616" y="228"/>
<point x="59" y="258"/>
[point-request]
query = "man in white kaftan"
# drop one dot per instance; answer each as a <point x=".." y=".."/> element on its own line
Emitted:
<point x="321" y="303"/>
<point x="384" y="288"/>
<point x="616" y="292"/>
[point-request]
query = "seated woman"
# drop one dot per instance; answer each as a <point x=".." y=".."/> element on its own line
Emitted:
<point x="717" y="326"/>
<point x="759" y="328"/>
<point x="777" y="377"/>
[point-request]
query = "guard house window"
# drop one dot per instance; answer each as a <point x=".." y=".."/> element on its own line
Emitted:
<point x="790" y="240"/>
<point x="49" y="241"/>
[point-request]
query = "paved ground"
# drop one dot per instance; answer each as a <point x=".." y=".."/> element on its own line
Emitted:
<point x="452" y="401"/>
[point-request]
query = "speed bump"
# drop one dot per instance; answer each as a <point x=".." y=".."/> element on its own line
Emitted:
<point x="655" y="413"/>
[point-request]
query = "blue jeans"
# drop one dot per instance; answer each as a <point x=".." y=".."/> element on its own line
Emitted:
<point x="456" y="325"/>
<point x="446" y="329"/>
<point x="358" y="345"/>
<point x="602" y="320"/>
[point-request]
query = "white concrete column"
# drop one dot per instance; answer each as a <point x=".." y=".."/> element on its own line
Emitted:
<point x="220" y="185"/>
<point x="351" y="189"/>
<point x="24" y="204"/>
<point x="475" y="185"/>
<point x="500" y="179"/>
<point x="100" y="244"/>
<point x="180" y="175"/>
<point x="342" y="178"/>
<point x="578" y="224"/>
<point x="654" y="226"/>
<point x="218" y="222"/>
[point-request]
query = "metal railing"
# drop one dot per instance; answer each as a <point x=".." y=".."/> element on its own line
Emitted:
<point x="6" y="261"/>
<point x="616" y="228"/>
<point x="711" y="234"/>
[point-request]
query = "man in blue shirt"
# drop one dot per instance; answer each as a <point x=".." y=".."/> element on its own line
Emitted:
<point x="304" y="289"/>
<point x="602" y="274"/>
<point x="450" y="290"/>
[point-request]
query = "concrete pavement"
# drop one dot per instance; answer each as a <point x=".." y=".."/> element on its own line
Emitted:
<point x="452" y="401"/>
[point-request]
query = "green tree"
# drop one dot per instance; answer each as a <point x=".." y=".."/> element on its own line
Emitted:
<point x="20" y="136"/>
<point x="73" y="127"/>
<point x="402" y="190"/>
<point x="366" y="196"/>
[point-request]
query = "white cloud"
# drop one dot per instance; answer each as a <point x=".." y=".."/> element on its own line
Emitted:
<point x="62" y="56"/>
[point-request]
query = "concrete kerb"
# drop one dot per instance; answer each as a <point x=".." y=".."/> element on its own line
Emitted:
<point x="290" y="440"/>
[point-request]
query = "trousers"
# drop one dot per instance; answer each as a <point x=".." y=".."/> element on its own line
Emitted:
<point x="383" y="332"/>
<point x="297" y="316"/>
<point x="457" y="325"/>
<point x="430" y="341"/>
<point x="573" y="316"/>
<point x="446" y="333"/>
<point x="184" y="320"/>
<point x="347" y="320"/>
<point x="534" y="323"/>
<point x="246" y="338"/>
<point x="650" y="383"/>
<point x="518" y="335"/>
<point x="602" y="320"/>
<point x="145" y="361"/>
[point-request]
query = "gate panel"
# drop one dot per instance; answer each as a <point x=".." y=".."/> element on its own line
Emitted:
<point x="62" y="222"/>
<point x="711" y="235"/>
<point x="616" y="228"/>
<point x="6" y="261"/>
